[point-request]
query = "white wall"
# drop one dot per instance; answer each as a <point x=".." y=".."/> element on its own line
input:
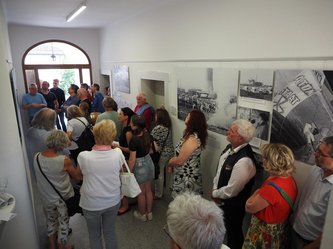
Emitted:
<point x="220" y="33"/>
<point x="19" y="232"/>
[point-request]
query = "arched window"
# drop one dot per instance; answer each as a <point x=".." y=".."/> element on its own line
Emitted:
<point x="59" y="59"/>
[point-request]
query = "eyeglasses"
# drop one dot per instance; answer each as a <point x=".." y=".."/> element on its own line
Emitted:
<point x="320" y="153"/>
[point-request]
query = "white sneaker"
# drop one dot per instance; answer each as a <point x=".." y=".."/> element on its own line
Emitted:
<point x="139" y="216"/>
<point x="150" y="216"/>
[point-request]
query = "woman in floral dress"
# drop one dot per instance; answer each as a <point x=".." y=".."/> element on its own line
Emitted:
<point x="271" y="205"/>
<point x="185" y="166"/>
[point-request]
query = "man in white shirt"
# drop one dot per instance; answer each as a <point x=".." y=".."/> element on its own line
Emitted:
<point x="312" y="202"/>
<point x="234" y="179"/>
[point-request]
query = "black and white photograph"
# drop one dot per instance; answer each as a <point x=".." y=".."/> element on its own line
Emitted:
<point x="211" y="90"/>
<point x="260" y="120"/>
<point x="256" y="84"/>
<point x="121" y="78"/>
<point x="302" y="110"/>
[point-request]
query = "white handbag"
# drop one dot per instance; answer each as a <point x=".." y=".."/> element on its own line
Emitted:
<point x="129" y="185"/>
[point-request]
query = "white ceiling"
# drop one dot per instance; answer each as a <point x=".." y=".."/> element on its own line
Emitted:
<point x="52" y="13"/>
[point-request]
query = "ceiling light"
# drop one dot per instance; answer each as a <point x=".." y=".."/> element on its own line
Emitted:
<point x="76" y="11"/>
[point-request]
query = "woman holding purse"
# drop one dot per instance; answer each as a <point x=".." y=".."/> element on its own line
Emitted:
<point x="271" y="205"/>
<point x="100" y="191"/>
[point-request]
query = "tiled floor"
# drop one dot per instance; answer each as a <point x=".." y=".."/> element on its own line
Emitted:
<point x="131" y="233"/>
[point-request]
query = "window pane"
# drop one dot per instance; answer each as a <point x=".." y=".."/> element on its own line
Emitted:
<point x="55" y="53"/>
<point x="31" y="77"/>
<point x="86" y="75"/>
<point x="65" y="76"/>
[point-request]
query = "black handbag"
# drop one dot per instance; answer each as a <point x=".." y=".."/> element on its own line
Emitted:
<point x="72" y="203"/>
<point x="155" y="157"/>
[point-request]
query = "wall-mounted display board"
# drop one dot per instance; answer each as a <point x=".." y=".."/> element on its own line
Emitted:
<point x="302" y="110"/>
<point x="212" y="90"/>
<point x="296" y="105"/>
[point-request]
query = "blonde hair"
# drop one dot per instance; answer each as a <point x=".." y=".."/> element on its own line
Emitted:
<point x="105" y="132"/>
<point x="279" y="159"/>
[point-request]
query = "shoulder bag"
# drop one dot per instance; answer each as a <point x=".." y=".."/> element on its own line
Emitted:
<point x="129" y="185"/>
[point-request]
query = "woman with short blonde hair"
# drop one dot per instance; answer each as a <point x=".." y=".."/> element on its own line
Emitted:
<point x="279" y="159"/>
<point x="105" y="132"/>
<point x="100" y="191"/>
<point x="271" y="205"/>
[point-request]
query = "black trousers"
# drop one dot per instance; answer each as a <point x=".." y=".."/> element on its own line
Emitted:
<point x="233" y="221"/>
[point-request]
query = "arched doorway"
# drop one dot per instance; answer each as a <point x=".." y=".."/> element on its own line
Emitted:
<point x="59" y="59"/>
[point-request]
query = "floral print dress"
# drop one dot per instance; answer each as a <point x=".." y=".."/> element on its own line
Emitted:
<point x="188" y="176"/>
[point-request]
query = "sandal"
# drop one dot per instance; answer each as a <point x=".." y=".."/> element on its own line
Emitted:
<point x="122" y="211"/>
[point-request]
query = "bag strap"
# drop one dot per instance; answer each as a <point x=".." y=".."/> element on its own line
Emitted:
<point x="85" y="126"/>
<point x="126" y="165"/>
<point x="283" y="194"/>
<point x="48" y="178"/>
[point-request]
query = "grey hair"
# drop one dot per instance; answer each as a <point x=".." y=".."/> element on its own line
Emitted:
<point x="44" y="119"/>
<point x="195" y="223"/>
<point x="143" y="96"/>
<point x="329" y="141"/>
<point x="57" y="140"/>
<point x="73" y="111"/>
<point x="109" y="102"/>
<point x="245" y="129"/>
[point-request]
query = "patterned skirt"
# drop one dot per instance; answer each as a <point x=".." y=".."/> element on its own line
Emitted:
<point x="261" y="235"/>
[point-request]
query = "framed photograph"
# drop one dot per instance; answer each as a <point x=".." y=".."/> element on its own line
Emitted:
<point x="210" y="90"/>
<point x="256" y="84"/>
<point x="260" y="120"/>
<point x="121" y="78"/>
<point x="302" y="110"/>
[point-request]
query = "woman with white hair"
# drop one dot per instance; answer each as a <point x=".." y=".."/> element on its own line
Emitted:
<point x="195" y="223"/>
<point x="52" y="167"/>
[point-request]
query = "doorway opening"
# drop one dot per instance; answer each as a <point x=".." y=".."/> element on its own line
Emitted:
<point x="154" y="90"/>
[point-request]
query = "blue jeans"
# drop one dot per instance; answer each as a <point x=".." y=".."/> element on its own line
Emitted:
<point x="102" y="221"/>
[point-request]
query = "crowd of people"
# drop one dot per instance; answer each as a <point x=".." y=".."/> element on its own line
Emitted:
<point x="281" y="215"/>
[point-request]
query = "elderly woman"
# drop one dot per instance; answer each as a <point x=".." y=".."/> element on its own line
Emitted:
<point x="100" y="191"/>
<point x="58" y="169"/>
<point x="75" y="126"/>
<point x="186" y="165"/>
<point x="195" y="223"/>
<point x="162" y="137"/>
<point x="271" y="205"/>
<point x="111" y="113"/>
<point x="142" y="166"/>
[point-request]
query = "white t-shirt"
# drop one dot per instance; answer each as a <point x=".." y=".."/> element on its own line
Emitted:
<point x="101" y="179"/>
<point x="76" y="127"/>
